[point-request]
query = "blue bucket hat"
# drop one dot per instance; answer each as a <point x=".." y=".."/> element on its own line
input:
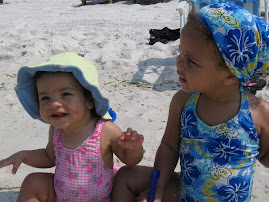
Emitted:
<point x="241" y="37"/>
<point x="83" y="71"/>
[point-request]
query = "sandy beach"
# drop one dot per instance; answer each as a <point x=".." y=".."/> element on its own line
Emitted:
<point x="138" y="78"/>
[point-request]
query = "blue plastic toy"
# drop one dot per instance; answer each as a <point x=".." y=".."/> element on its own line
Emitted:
<point x="112" y="114"/>
<point x="154" y="179"/>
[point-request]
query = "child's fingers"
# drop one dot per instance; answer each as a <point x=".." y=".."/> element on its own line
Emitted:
<point x="5" y="162"/>
<point x="16" y="165"/>
<point x="122" y="137"/>
<point x="141" y="138"/>
<point x="137" y="137"/>
<point x="143" y="196"/>
<point x="129" y="131"/>
<point x="134" y="135"/>
<point x="128" y="134"/>
<point x="121" y="142"/>
<point x="125" y="136"/>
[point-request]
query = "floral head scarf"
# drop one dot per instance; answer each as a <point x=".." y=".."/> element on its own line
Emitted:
<point x="241" y="37"/>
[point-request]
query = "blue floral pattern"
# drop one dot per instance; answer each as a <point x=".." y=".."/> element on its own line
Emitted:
<point x="241" y="37"/>
<point x="236" y="190"/>
<point x="191" y="171"/>
<point x="225" y="149"/>
<point x="217" y="162"/>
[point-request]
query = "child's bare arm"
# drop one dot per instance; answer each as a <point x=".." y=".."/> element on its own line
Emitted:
<point x="263" y="118"/>
<point x="127" y="146"/>
<point x="40" y="158"/>
<point x="168" y="152"/>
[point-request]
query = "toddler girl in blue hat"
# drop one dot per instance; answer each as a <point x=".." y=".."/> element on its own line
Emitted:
<point x="217" y="128"/>
<point x="64" y="93"/>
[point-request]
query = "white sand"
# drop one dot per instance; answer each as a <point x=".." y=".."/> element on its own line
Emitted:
<point x="115" y="38"/>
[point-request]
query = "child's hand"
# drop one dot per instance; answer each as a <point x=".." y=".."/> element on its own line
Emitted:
<point x="131" y="140"/>
<point x="16" y="159"/>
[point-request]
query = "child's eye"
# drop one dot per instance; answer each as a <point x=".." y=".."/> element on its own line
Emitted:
<point x="191" y="61"/>
<point x="44" y="98"/>
<point x="66" y="94"/>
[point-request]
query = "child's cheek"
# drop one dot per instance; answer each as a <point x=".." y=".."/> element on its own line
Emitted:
<point x="42" y="111"/>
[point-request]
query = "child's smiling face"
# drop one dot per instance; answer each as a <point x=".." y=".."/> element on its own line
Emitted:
<point x="61" y="100"/>
<point x="199" y="64"/>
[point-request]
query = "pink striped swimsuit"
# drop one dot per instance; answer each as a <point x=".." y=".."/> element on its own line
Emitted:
<point x="80" y="173"/>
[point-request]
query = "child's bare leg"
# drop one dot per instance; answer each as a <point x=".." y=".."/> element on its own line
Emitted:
<point x="130" y="182"/>
<point x="170" y="192"/>
<point x="37" y="187"/>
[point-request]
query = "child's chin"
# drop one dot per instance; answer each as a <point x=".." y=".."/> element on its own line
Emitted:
<point x="58" y="125"/>
<point x="187" y="90"/>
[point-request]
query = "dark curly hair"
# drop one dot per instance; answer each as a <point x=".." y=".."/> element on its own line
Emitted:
<point x="194" y="20"/>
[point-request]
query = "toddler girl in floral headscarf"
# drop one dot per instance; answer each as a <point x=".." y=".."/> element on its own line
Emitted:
<point x="216" y="127"/>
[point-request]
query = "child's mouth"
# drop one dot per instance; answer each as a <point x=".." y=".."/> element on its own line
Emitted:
<point x="59" y="115"/>
<point x="182" y="80"/>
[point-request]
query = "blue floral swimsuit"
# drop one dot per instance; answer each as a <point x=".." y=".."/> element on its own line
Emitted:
<point x="217" y="162"/>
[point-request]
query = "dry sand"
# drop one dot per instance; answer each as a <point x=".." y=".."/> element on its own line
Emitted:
<point x="139" y="79"/>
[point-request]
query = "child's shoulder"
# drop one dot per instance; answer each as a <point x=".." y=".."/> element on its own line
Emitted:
<point x="180" y="99"/>
<point x="110" y="128"/>
<point x="110" y="133"/>
<point x="258" y="105"/>
<point x="178" y="102"/>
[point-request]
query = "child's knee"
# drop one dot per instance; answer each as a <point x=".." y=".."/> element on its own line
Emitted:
<point x="135" y="178"/>
<point x="37" y="180"/>
<point x="122" y="175"/>
<point x="31" y="179"/>
<point x="38" y="185"/>
<point x="127" y="176"/>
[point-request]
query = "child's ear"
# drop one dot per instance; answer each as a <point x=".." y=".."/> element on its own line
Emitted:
<point x="230" y="78"/>
<point x="90" y="105"/>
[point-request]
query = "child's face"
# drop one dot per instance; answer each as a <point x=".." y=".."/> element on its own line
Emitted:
<point x="61" y="100"/>
<point x="199" y="64"/>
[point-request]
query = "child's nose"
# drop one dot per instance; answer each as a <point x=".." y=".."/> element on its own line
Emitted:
<point x="179" y="62"/>
<point x="55" y="103"/>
